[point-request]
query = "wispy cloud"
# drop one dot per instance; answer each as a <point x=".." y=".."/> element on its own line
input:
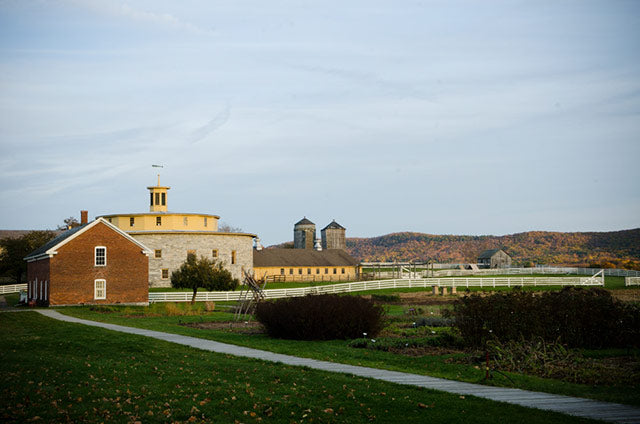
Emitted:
<point x="123" y="10"/>
<point x="219" y="120"/>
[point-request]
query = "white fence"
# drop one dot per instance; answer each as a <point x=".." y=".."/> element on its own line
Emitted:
<point x="632" y="281"/>
<point x="385" y="284"/>
<point x="13" y="288"/>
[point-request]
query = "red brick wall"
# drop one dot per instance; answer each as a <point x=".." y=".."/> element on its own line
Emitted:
<point x="73" y="271"/>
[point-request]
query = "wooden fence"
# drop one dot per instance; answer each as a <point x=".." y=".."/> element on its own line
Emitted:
<point x="632" y="281"/>
<point x="385" y="284"/>
<point x="12" y="288"/>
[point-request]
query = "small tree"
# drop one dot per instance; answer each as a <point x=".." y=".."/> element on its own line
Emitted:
<point x="203" y="273"/>
<point x="69" y="223"/>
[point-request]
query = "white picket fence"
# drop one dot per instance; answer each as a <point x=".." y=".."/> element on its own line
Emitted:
<point x="13" y="288"/>
<point x="529" y="271"/>
<point x="384" y="284"/>
<point x="632" y="281"/>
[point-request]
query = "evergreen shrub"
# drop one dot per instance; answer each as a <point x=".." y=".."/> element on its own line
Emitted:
<point x="320" y="317"/>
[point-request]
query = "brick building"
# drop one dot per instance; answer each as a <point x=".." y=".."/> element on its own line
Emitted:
<point x="96" y="263"/>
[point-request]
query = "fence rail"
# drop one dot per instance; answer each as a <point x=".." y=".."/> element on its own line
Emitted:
<point x="632" y="281"/>
<point x="384" y="284"/>
<point x="12" y="288"/>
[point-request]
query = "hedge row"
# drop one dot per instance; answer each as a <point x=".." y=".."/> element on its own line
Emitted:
<point x="322" y="317"/>
<point x="577" y="317"/>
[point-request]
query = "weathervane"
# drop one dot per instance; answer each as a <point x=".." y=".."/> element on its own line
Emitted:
<point x="158" y="166"/>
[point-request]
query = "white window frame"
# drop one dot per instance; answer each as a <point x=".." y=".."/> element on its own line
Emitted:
<point x="95" y="256"/>
<point x="96" y="289"/>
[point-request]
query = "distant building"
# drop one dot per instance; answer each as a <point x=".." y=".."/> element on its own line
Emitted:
<point x="172" y="236"/>
<point x="310" y="259"/>
<point x="304" y="234"/>
<point x="333" y="236"/>
<point x="304" y="265"/>
<point x="494" y="258"/>
<point x="95" y="263"/>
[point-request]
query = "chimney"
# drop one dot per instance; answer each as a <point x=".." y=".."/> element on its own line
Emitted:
<point x="84" y="217"/>
<point x="318" y="245"/>
<point x="258" y="245"/>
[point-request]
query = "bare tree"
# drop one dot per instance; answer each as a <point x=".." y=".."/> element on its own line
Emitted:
<point x="226" y="228"/>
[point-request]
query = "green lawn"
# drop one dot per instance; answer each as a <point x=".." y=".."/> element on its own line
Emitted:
<point x="52" y="371"/>
<point x="339" y="351"/>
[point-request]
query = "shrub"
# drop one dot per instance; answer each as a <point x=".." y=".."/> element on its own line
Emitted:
<point x="433" y="322"/>
<point x="385" y="298"/>
<point x="576" y="317"/>
<point x="322" y="317"/>
<point x="386" y="344"/>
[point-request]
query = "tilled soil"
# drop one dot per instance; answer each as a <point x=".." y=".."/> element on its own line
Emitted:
<point x="245" y="327"/>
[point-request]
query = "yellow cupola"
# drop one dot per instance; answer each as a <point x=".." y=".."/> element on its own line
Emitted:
<point x="158" y="197"/>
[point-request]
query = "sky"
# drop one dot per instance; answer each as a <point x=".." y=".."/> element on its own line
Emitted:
<point x="442" y="117"/>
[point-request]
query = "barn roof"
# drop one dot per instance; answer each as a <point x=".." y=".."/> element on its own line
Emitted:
<point x="334" y="225"/>
<point x="304" y="221"/>
<point x="302" y="257"/>
<point x="50" y="247"/>
<point x="488" y="254"/>
<point x="54" y="242"/>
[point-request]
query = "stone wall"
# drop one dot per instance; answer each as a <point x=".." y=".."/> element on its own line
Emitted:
<point x="175" y="247"/>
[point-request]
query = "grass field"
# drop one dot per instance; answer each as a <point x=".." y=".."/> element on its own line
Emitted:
<point x="437" y="364"/>
<point x="52" y="371"/>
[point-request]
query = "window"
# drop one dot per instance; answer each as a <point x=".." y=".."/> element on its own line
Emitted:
<point x="290" y="271"/>
<point x="165" y="273"/>
<point x="343" y="270"/>
<point x="214" y="253"/>
<point x="158" y="253"/>
<point x="281" y="271"/>
<point x="151" y="199"/>
<point x="164" y="199"/>
<point x="157" y="198"/>
<point x="317" y="270"/>
<point x="100" y="256"/>
<point x="100" y="289"/>
<point x="299" y="271"/>
<point x="132" y="221"/>
<point x="185" y="221"/>
<point x="233" y="257"/>
<point x="335" y="270"/>
<point x="158" y="220"/>
<point x="308" y="271"/>
<point x="205" y="221"/>
<point x="326" y="270"/>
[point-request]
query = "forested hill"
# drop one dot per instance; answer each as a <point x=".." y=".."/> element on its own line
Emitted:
<point x="620" y="249"/>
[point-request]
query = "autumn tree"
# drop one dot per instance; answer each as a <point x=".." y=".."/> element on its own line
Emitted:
<point x="13" y="251"/>
<point x="203" y="273"/>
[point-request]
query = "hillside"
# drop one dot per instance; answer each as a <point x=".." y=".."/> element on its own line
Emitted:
<point x="620" y="249"/>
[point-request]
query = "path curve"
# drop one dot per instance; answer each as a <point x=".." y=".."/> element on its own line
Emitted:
<point x="578" y="407"/>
